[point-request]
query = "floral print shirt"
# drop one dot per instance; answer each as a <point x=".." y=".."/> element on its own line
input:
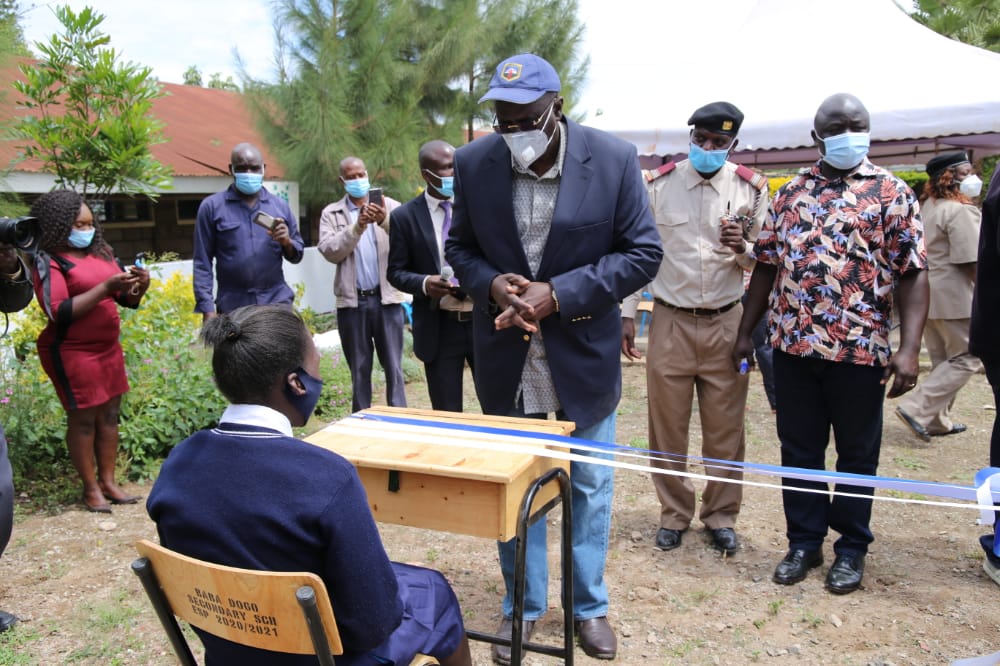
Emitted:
<point x="839" y="246"/>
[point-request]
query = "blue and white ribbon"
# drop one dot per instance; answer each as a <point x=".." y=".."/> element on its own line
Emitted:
<point x="984" y="495"/>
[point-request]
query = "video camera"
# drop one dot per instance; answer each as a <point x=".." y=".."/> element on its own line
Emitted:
<point x="21" y="232"/>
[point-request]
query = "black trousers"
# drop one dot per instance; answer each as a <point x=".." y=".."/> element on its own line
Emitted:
<point x="446" y="371"/>
<point x="815" y="396"/>
<point x="6" y="495"/>
<point x="993" y="375"/>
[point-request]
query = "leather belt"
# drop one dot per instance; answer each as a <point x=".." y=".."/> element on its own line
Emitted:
<point x="458" y="315"/>
<point x="699" y="312"/>
<point x="369" y="292"/>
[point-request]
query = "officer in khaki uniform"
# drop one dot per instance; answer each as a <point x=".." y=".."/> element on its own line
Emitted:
<point x="708" y="212"/>
<point x="951" y="234"/>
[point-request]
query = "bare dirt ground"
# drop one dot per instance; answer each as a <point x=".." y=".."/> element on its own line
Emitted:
<point x="925" y="598"/>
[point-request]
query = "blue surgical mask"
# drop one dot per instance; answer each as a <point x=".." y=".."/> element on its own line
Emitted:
<point x="706" y="161"/>
<point x="81" y="239"/>
<point x="447" y="186"/>
<point x="249" y="183"/>
<point x="305" y="404"/>
<point x="846" y="151"/>
<point x="357" y="187"/>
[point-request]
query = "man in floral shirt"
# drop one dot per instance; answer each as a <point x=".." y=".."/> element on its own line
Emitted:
<point x="839" y="237"/>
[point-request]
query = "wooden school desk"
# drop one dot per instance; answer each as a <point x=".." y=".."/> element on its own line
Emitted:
<point x="414" y="476"/>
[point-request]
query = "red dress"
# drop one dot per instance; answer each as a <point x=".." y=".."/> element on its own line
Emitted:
<point x="82" y="357"/>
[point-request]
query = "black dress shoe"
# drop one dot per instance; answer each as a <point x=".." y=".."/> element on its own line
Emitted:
<point x="725" y="539"/>
<point x="667" y="539"/>
<point x="912" y="424"/>
<point x="955" y="429"/>
<point x="501" y="653"/>
<point x="597" y="638"/>
<point x="796" y="565"/>
<point x="7" y="620"/>
<point x="845" y="575"/>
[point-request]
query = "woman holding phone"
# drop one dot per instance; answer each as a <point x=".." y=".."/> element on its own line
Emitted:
<point x="80" y="288"/>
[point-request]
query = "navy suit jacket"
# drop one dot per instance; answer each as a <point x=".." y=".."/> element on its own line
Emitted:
<point x="603" y="246"/>
<point x="413" y="255"/>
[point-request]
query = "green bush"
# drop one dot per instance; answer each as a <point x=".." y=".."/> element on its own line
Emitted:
<point x="171" y="396"/>
<point x="172" y="392"/>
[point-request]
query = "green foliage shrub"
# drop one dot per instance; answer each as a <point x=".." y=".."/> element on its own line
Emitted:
<point x="915" y="179"/>
<point x="172" y="393"/>
<point x="171" y="396"/>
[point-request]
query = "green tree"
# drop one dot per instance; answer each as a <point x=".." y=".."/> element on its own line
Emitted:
<point x="351" y="82"/>
<point x="975" y="22"/>
<point x="192" y="76"/>
<point x="11" y="35"/>
<point x="216" y="82"/>
<point x="91" y="122"/>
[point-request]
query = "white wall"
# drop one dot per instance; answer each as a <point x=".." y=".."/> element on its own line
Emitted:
<point x="315" y="272"/>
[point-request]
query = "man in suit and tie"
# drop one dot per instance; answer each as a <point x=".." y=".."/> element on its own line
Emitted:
<point x="442" y="313"/>
<point x="551" y="230"/>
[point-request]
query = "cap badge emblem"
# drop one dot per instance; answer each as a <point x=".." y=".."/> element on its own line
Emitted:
<point x="511" y="72"/>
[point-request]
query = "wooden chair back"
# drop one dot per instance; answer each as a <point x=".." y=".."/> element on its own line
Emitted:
<point x="283" y="612"/>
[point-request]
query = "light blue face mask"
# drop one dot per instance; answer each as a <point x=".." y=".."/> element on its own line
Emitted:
<point x="249" y="183"/>
<point x="447" y="186"/>
<point x="706" y="161"/>
<point x="357" y="187"/>
<point x="846" y="151"/>
<point x="81" y="239"/>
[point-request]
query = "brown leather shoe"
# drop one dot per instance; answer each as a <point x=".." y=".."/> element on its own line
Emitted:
<point x="597" y="638"/>
<point x="501" y="653"/>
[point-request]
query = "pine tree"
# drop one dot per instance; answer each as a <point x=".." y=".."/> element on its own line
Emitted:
<point x="377" y="78"/>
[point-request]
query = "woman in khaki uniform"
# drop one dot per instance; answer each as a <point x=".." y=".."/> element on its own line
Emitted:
<point x="951" y="226"/>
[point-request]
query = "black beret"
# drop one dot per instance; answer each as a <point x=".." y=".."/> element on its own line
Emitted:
<point x="720" y="117"/>
<point x="937" y="164"/>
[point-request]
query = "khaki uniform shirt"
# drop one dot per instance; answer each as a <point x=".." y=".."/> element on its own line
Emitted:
<point x="697" y="270"/>
<point x="951" y="235"/>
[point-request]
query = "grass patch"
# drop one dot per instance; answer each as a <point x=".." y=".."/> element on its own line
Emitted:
<point x="13" y="643"/>
<point x="909" y="463"/>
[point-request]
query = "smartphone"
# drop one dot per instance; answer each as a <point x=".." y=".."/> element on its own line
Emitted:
<point x="375" y="196"/>
<point x="265" y="220"/>
<point x="140" y="260"/>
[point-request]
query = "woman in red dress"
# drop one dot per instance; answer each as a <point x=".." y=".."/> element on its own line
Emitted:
<point x="79" y="348"/>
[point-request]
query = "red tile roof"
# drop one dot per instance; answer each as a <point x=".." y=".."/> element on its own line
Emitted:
<point x="201" y="126"/>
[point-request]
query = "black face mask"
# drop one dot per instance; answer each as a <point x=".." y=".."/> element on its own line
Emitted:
<point x="305" y="404"/>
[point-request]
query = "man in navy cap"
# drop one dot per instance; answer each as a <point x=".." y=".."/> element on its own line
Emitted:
<point x="551" y="230"/>
<point x="708" y="212"/>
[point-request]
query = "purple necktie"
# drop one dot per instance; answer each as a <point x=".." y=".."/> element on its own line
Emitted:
<point x="446" y="207"/>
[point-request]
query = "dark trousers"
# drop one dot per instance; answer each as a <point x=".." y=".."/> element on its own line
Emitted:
<point x="993" y="375"/>
<point x="6" y="495"/>
<point x="992" y="367"/>
<point x="373" y="327"/>
<point x="764" y="353"/>
<point x="814" y="396"/>
<point x="445" y="373"/>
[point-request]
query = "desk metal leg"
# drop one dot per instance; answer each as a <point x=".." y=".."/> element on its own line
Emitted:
<point x="526" y="518"/>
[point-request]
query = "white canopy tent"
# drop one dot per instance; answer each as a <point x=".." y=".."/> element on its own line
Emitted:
<point x="777" y="60"/>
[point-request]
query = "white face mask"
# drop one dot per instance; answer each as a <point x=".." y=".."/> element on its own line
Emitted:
<point x="527" y="147"/>
<point x="971" y="186"/>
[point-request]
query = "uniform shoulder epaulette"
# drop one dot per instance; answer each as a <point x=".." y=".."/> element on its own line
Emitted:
<point x="758" y="180"/>
<point x="652" y="174"/>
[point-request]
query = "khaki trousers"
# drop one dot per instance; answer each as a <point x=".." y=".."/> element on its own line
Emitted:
<point x="947" y="342"/>
<point x="688" y="353"/>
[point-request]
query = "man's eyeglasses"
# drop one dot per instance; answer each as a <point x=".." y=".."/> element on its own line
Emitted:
<point x="522" y="125"/>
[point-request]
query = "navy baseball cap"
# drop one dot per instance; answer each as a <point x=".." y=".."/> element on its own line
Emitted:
<point x="522" y="79"/>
